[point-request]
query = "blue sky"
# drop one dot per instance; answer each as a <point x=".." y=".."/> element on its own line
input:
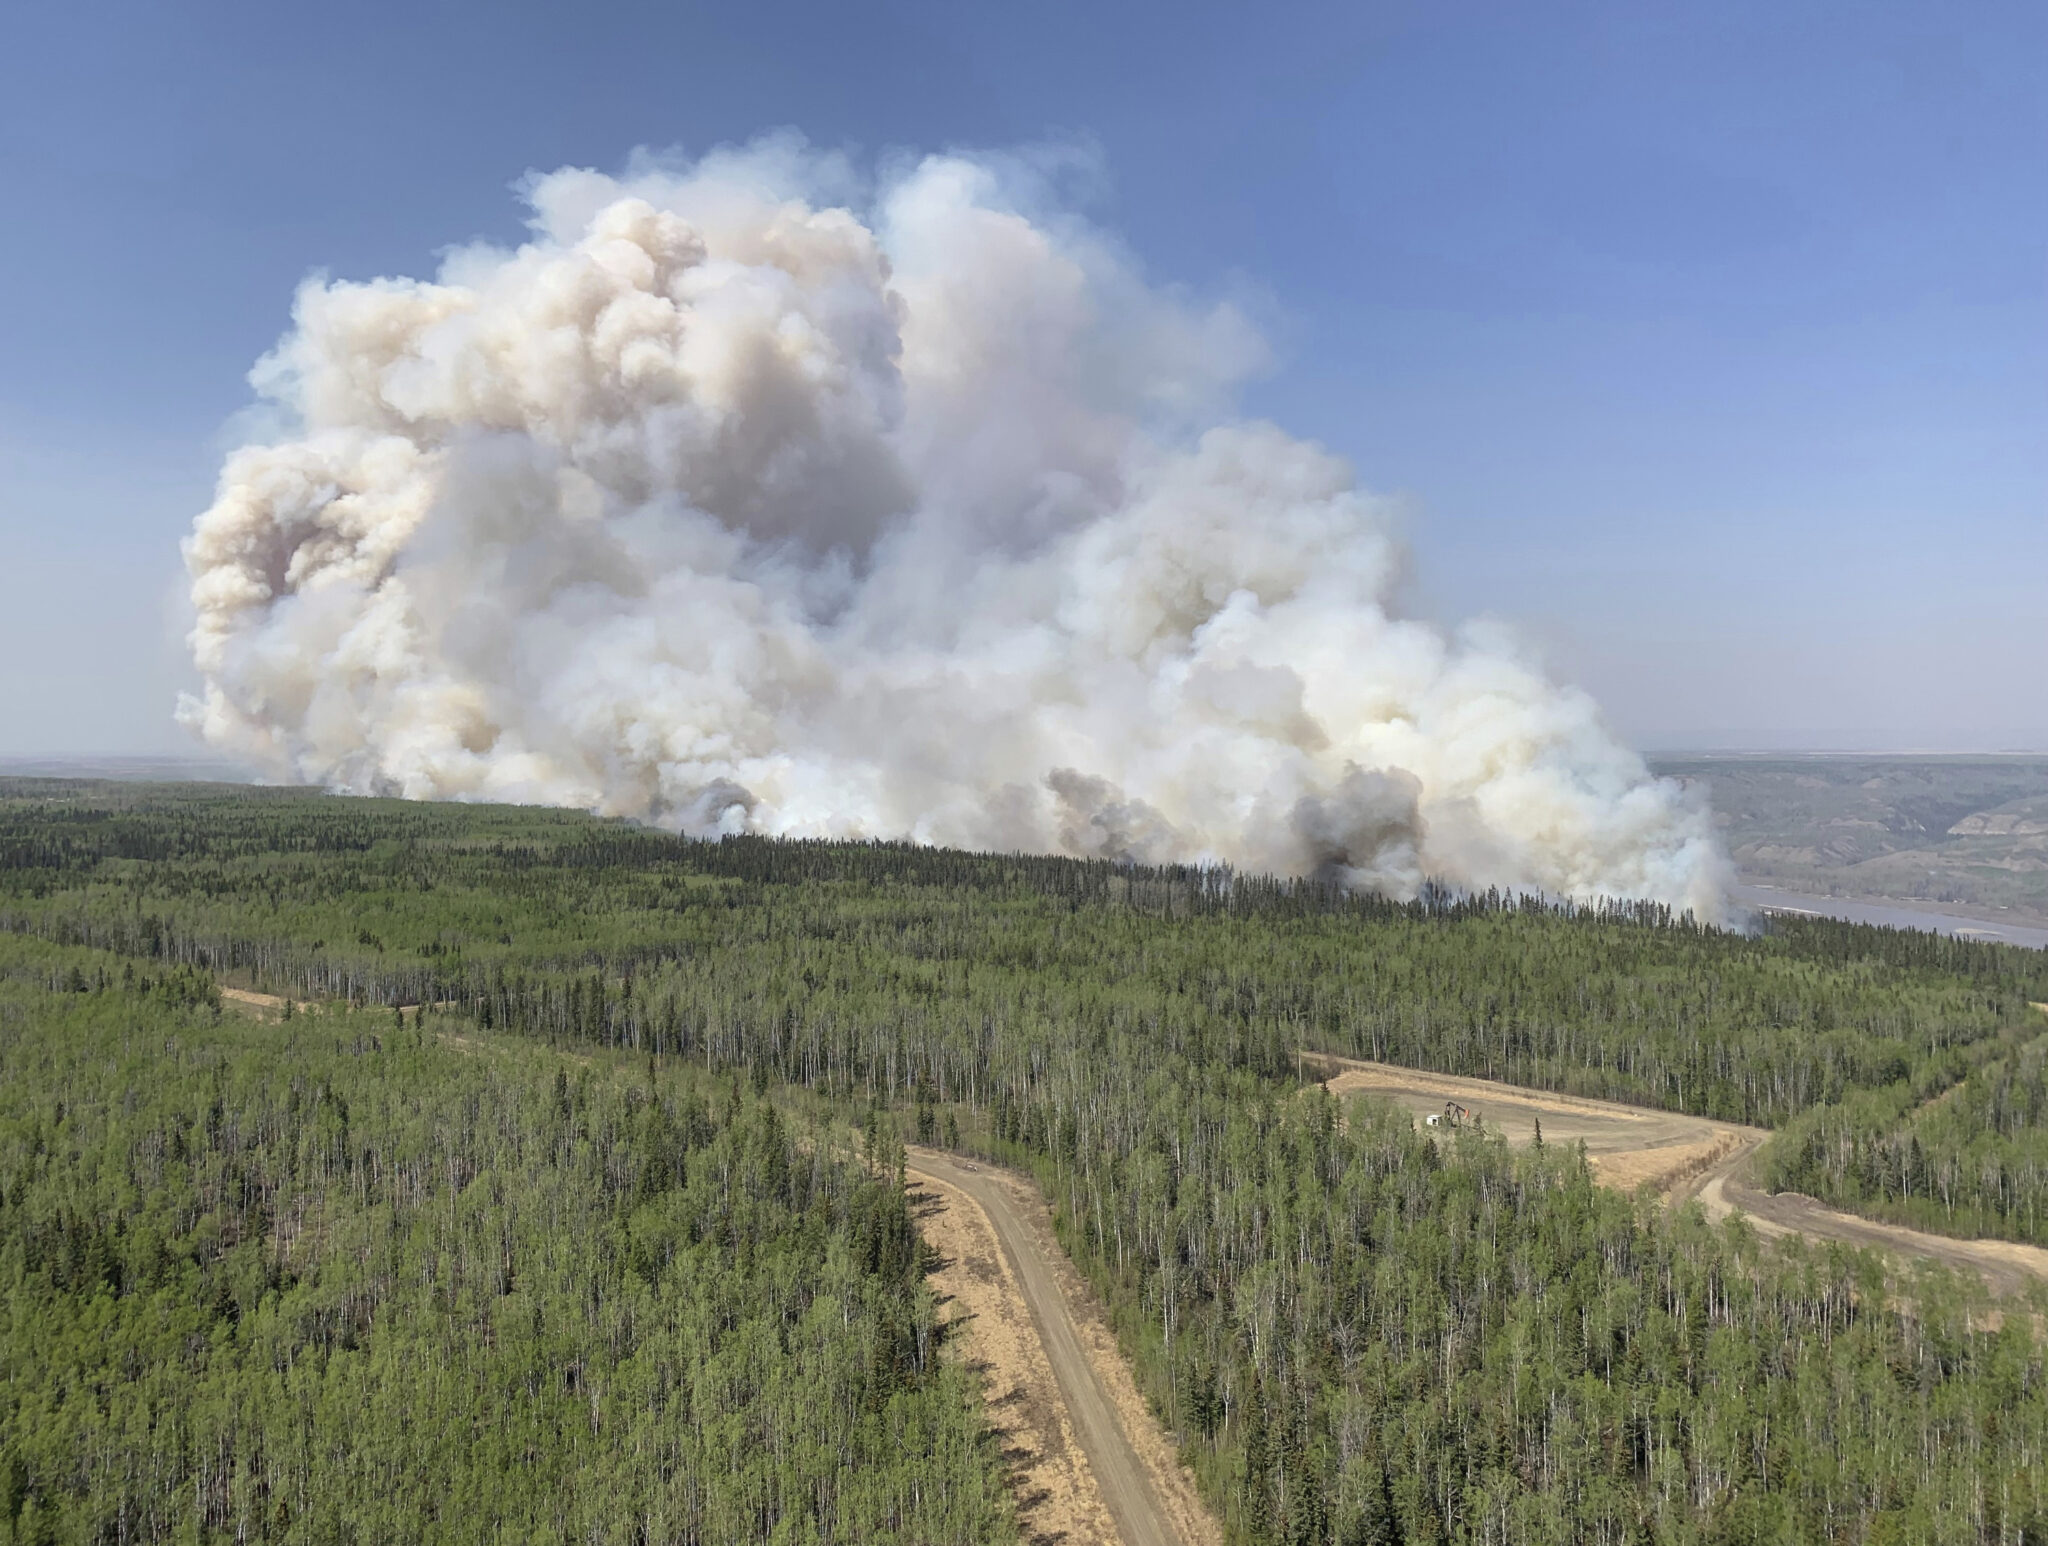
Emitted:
<point x="1709" y="344"/>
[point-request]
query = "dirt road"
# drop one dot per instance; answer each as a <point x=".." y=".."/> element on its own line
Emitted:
<point x="1094" y="1467"/>
<point x="1627" y="1146"/>
<point x="1011" y="1269"/>
<point x="260" y="1004"/>
<point x="1682" y="1157"/>
<point x="2006" y="1268"/>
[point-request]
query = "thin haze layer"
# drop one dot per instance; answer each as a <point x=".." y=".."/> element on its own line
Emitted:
<point x="720" y="505"/>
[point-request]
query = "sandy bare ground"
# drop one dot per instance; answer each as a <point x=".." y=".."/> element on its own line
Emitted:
<point x="1095" y="1464"/>
<point x="2005" y="1267"/>
<point x="1626" y="1146"/>
<point x="1681" y="1157"/>
<point x="264" y="1005"/>
<point x="268" y="1005"/>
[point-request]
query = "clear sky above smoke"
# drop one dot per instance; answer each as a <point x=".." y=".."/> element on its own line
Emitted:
<point x="1708" y="345"/>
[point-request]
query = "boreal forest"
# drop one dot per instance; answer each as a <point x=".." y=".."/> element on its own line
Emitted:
<point x="562" y="1197"/>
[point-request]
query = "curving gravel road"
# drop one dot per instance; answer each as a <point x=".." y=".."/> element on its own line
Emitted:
<point x="1683" y="1157"/>
<point x="2005" y="1267"/>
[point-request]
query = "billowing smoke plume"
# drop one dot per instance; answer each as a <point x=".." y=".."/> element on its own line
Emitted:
<point x="724" y="507"/>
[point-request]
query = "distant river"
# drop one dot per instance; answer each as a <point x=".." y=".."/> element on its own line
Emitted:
<point x="1891" y="914"/>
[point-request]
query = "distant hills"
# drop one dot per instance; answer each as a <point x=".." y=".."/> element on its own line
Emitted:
<point x="152" y="770"/>
<point x="1963" y="832"/>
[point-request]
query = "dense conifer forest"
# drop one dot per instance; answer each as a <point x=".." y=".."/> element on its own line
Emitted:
<point x="1970" y="1158"/>
<point x="552" y="1223"/>
<point x="371" y="1282"/>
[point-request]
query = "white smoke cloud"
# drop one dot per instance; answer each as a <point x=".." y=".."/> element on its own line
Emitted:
<point x="720" y="505"/>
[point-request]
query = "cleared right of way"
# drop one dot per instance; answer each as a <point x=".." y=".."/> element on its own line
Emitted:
<point x="1150" y="1499"/>
<point x="1126" y="1478"/>
<point x="2006" y="1268"/>
<point x="1681" y="1156"/>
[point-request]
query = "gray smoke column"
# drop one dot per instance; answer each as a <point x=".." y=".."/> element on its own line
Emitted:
<point x="731" y="503"/>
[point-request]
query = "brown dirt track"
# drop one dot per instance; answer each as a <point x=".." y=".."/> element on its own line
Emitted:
<point x="1094" y="1465"/>
<point x="1627" y="1146"/>
<point x="1681" y="1157"/>
<point x="2005" y="1267"/>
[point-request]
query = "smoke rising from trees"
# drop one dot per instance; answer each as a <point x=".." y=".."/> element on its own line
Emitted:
<point x="740" y="499"/>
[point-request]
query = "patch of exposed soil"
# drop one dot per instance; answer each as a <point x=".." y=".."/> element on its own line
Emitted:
<point x="264" y="1005"/>
<point x="1627" y="1147"/>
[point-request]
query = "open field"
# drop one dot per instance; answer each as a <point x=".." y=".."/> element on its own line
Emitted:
<point x="1627" y="1146"/>
<point x="1681" y="1157"/>
<point x="264" y="1005"/>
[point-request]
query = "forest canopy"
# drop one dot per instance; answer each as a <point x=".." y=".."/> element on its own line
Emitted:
<point x="567" y="1208"/>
